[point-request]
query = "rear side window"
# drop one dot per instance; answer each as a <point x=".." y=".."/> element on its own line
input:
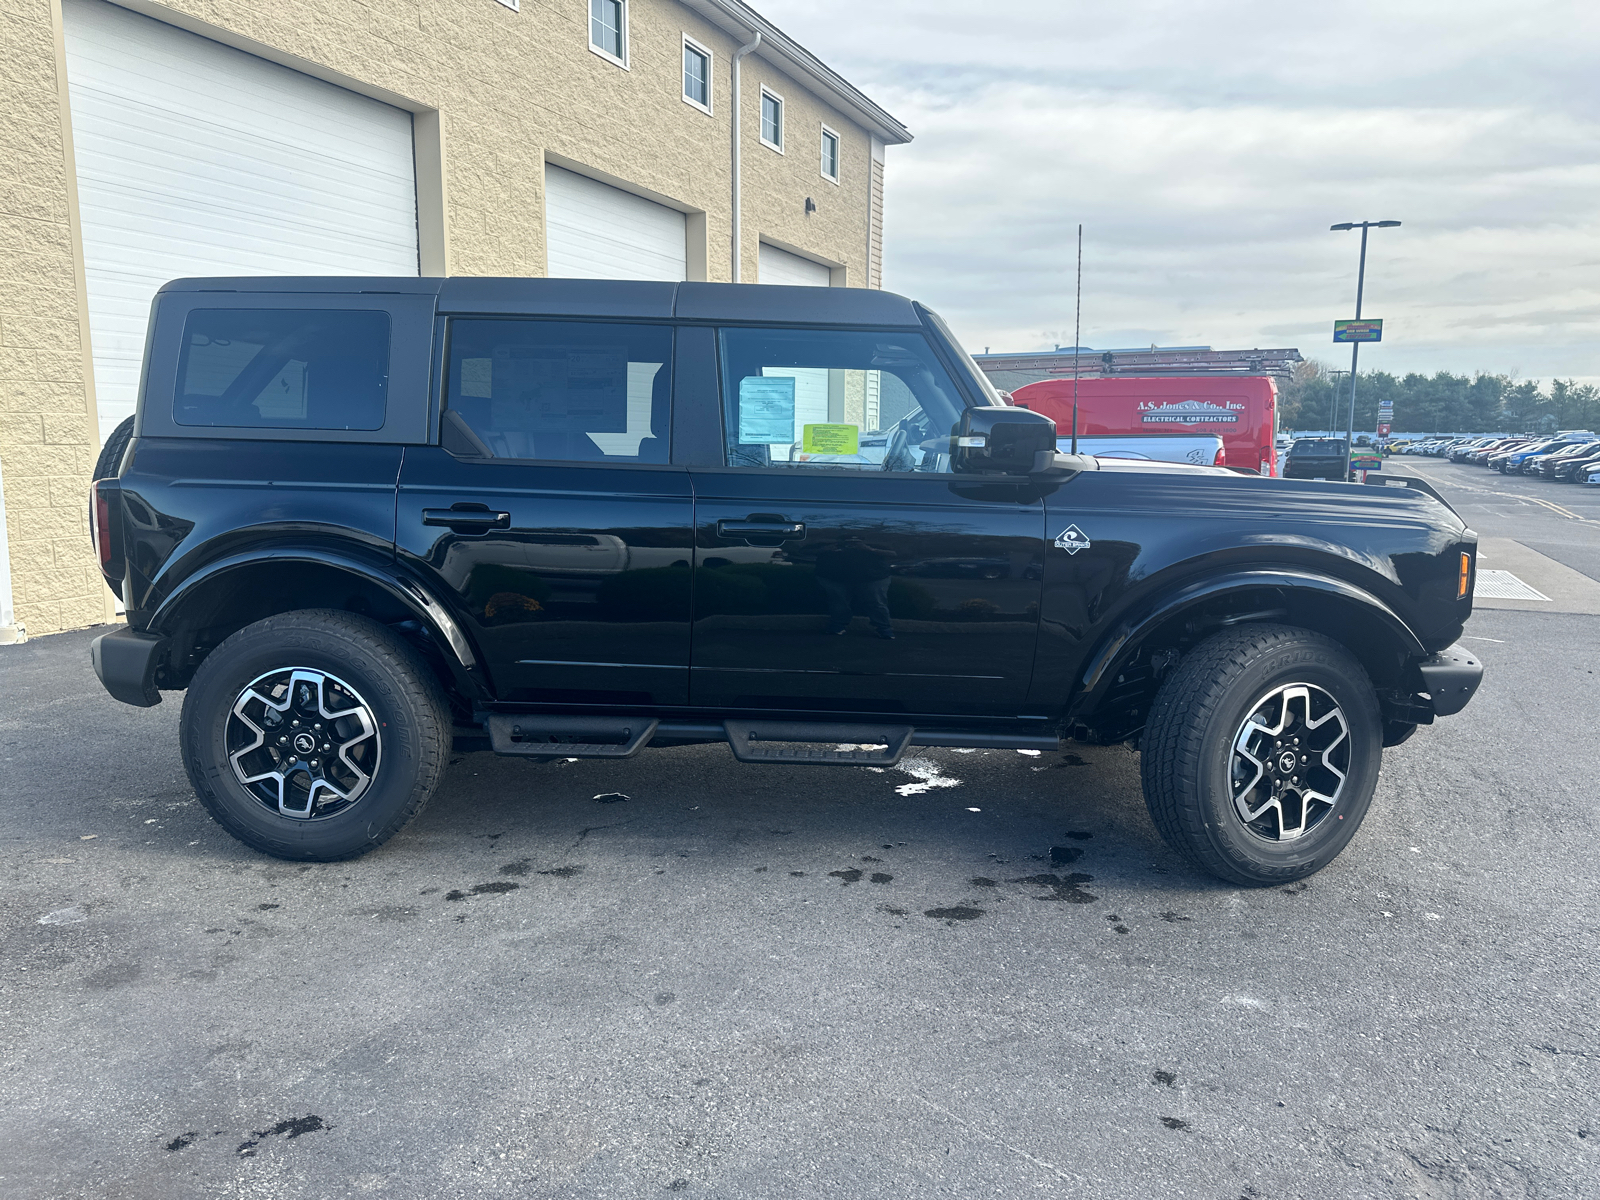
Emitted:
<point x="561" y="390"/>
<point x="283" y="368"/>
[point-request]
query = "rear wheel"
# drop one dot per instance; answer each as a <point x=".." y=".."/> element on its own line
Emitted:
<point x="1261" y="753"/>
<point x="314" y="735"/>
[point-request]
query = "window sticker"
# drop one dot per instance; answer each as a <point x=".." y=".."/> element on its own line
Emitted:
<point x="477" y="377"/>
<point x="766" y="410"/>
<point x="831" y="439"/>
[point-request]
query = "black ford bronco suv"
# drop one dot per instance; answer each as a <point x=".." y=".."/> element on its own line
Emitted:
<point x="361" y="520"/>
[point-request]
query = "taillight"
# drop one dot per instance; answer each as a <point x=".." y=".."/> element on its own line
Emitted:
<point x="1221" y="460"/>
<point x="1466" y="577"/>
<point x="100" y="524"/>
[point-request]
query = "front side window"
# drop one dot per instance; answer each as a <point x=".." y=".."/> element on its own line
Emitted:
<point x="608" y="28"/>
<point x="772" y="119"/>
<point x="280" y="368"/>
<point x="559" y="390"/>
<point x="802" y="399"/>
<point x="697" y="75"/>
<point x="830" y="154"/>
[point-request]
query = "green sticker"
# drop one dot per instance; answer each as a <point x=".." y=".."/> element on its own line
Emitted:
<point x="831" y="439"/>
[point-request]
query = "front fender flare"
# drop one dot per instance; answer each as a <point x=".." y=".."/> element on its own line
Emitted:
<point x="1121" y="642"/>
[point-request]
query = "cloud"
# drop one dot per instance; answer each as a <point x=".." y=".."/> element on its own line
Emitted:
<point x="1207" y="148"/>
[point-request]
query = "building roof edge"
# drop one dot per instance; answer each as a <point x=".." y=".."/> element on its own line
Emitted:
<point x="740" y="20"/>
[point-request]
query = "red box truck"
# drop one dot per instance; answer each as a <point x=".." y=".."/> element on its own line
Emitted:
<point x="1242" y="409"/>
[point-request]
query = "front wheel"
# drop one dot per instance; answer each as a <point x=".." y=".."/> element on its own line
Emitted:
<point x="314" y="735"/>
<point x="1261" y="753"/>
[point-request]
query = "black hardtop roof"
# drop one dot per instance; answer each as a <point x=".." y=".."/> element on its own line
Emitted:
<point x="641" y="299"/>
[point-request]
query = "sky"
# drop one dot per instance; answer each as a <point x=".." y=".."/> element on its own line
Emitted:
<point x="1207" y="146"/>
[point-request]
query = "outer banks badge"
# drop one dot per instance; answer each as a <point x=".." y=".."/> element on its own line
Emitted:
<point x="1072" y="540"/>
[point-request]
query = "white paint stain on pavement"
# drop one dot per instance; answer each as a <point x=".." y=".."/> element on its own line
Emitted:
<point x="64" y="916"/>
<point x="926" y="773"/>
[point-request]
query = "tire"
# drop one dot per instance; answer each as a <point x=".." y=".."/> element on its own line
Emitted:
<point x="1228" y="692"/>
<point x="111" y="453"/>
<point x="382" y="704"/>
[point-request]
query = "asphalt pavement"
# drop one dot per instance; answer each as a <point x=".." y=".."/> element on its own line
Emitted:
<point x="976" y="975"/>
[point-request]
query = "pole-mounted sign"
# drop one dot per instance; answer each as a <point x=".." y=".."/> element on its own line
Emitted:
<point x="1358" y="331"/>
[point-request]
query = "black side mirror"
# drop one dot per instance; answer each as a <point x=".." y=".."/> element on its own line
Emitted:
<point x="1002" y="441"/>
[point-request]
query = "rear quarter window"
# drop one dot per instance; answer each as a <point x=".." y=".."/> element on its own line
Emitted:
<point x="280" y="368"/>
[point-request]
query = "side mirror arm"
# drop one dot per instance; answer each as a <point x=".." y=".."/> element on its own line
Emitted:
<point x="1052" y="464"/>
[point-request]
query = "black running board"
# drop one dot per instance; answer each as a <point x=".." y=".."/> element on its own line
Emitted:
<point x="535" y="735"/>
<point x="795" y="743"/>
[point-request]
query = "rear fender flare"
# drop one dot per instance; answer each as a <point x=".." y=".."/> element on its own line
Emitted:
<point x="465" y="663"/>
<point x="1119" y="646"/>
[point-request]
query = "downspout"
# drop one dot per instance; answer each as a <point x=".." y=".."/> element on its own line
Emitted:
<point x="738" y="56"/>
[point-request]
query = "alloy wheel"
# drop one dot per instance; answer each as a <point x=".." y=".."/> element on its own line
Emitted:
<point x="303" y="742"/>
<point x="1290" y="760"/>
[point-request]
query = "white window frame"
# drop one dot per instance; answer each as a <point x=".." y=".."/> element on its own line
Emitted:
<point x="627" y="39"/>
<point x="690" y="44"/>
<point x="768" y="93"/>
<point x="838" y="154"/>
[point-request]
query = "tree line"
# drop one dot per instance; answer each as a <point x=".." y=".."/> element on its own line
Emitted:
<point x="1439" y="403"/>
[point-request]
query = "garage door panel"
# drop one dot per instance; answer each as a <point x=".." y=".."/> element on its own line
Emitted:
<point x="595" y="231"/>
<point x="197" y="159"/>
<point x="781" y="267"/>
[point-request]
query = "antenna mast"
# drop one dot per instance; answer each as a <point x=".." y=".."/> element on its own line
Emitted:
<point x="1077" y="338"/>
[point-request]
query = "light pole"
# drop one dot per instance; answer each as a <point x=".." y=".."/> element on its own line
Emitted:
<point x="1355" y="347"/>
<point x="1333" y="403"/>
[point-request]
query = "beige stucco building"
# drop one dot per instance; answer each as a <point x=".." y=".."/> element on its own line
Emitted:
<point x="144" y="141"/>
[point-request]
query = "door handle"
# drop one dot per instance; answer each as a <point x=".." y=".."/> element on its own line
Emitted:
<point x="763" y="526"/>
<point x="476" y="519"/>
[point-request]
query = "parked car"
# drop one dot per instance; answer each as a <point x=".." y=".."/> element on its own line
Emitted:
<point x="1520" y="462"/>
<point x="1545" y="466"/>
<point x="1481" y="458"/>
<point x="1576" y="469"/>
<point x="1317" y="458"/>
<point x="348" y="517"/>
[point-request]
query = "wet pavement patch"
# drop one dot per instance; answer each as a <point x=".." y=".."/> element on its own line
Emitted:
<point x="959" y="913"/>
<point x="1165" y="1077"/>
<point x="1065" y="890"/>
<point x="183" y="1140"/>
<point x="1172" y="918"/>
<point x="563" y="872"/>
<point x="1060" y="856"/>
<point x="880" y="877"/>
<point x="291" y="1129"/>
<point x="982" y="881"/>
<point x="1174" y="1123"/>
<point x="484" y="889"/>
<point x="846" y="877"/>
<point x="892" y="910"/>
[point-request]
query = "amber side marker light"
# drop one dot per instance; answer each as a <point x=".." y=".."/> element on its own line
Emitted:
<point x="1466" y="577"/>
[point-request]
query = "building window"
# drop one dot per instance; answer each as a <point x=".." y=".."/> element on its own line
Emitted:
<point x="696" y="74"/>
<point x="830" y="155"/>
<point x="608" y="29"/>
<point x="772" y="120"/>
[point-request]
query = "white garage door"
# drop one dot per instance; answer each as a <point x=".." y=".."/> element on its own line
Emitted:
<point x="198" y="159"/>
<point x="779" y="266"/>
<point x="595" y="231"/>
